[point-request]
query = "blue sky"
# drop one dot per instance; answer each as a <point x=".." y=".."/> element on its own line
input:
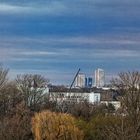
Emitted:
<point x="55" y="38"/>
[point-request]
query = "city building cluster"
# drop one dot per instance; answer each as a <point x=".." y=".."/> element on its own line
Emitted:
<point x="89" y="89"/>
<point x="97" y="80"/>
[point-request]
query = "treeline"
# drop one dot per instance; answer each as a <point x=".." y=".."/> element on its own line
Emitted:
<point x="26" y="113"/>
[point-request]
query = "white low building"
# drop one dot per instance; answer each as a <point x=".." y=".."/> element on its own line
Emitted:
<point x="75" y="97"/>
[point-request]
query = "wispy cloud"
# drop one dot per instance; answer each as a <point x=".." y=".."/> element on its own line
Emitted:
<point x="37" y="53"/>
<point x="53" y="8"/>
<point x="108" y="8"/>
<point x="126" y="39"/>
<point x="55" y="48"/>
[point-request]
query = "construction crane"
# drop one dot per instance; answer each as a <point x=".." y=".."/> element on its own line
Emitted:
<point x="74" y="80"/>
<point x="65" y="106"/>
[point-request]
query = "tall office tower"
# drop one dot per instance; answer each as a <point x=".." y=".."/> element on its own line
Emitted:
<point x="80" y="80"/>
<point x="88" y="82"/>
<point x="99" y="78"/>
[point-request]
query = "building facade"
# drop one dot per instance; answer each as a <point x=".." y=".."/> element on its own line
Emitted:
<point x="73" y="97"/>
<point x="80" y="80"/>
<point x="99" y="78"/>
<point x="88" y="82"/>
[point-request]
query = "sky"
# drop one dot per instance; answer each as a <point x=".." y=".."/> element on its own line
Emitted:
<point x="55" y="38"/>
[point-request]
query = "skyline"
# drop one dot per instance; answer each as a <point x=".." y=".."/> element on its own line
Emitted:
<point x="55" y="38"/>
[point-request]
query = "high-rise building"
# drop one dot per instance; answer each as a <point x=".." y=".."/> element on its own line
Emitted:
<point x="99" y="78"/>
<point x="88" y="82"/>
<point x="80" y="80"/>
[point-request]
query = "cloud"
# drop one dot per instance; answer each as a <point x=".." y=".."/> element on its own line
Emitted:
<point x="97" y="40"/>
<point x="54" y="8"/>
<point x="117" y="39"/>
<point x="55" y="49"/>
<point x="37" y="53"/>
<point x="6" y="53"/>
<point x="90" y="8"/>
